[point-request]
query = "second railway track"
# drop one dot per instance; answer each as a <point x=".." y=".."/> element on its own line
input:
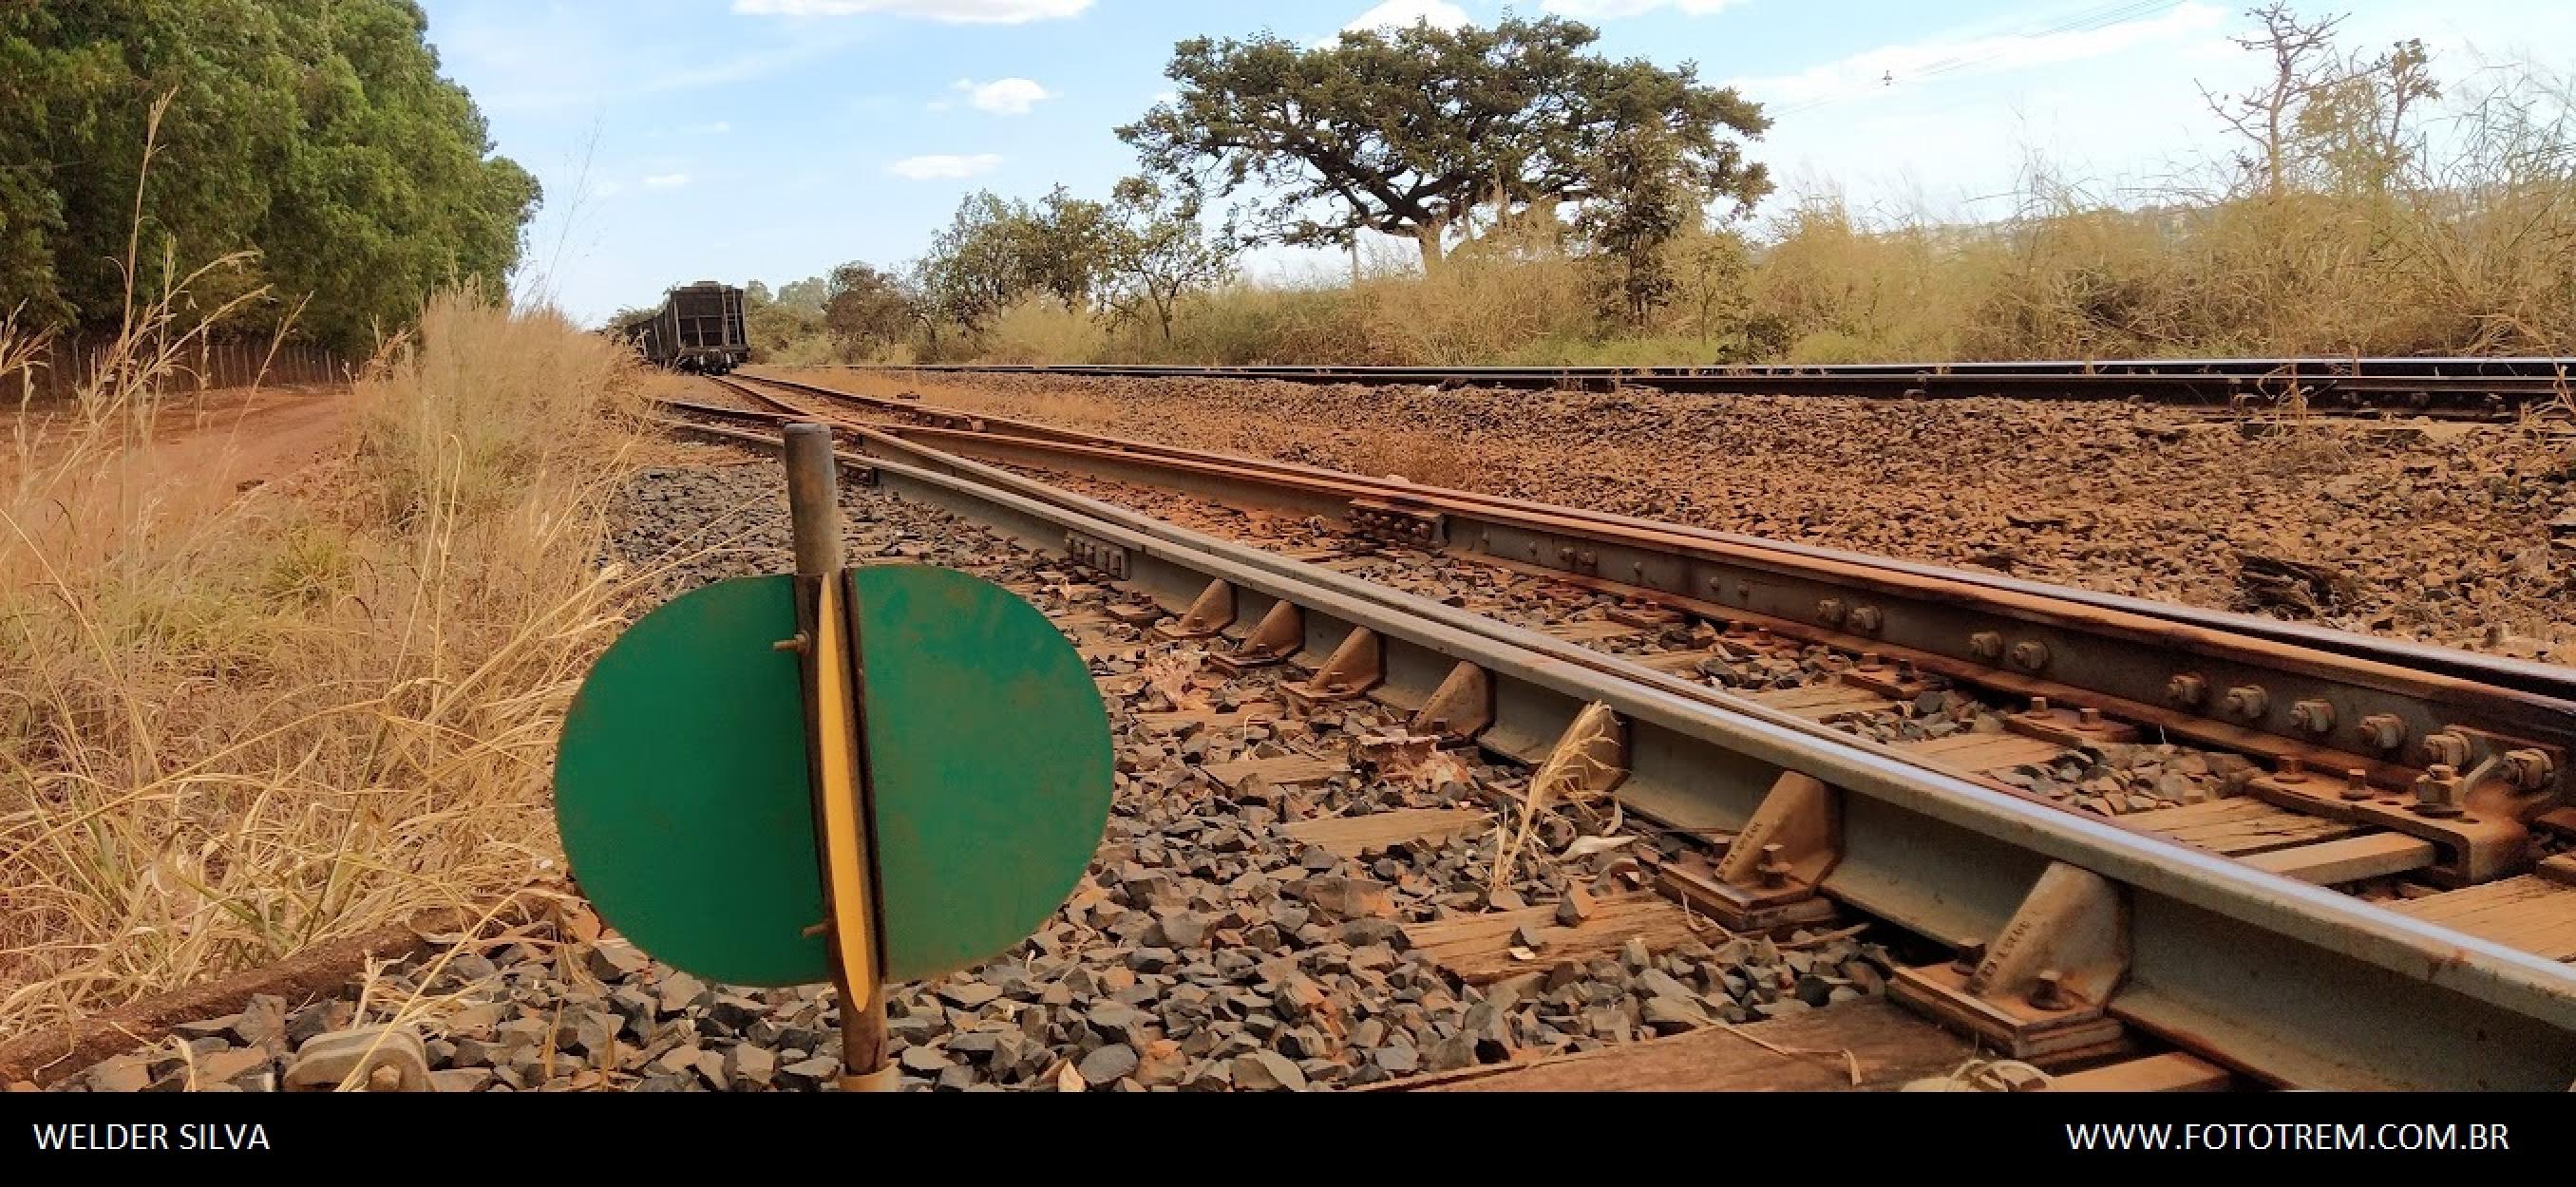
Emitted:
<point x="2182" y="930"/>
<point x="2442" y="388"/>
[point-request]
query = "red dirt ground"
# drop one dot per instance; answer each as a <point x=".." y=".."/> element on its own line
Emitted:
<point x="224" y="439"/>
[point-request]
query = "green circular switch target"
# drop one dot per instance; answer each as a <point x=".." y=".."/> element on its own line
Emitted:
<point x="683" y="795"/>
<point x="989" y="765"/>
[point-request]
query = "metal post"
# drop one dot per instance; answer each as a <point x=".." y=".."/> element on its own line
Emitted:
<point x="836" y="725"/>
<point x="813" y="500"/>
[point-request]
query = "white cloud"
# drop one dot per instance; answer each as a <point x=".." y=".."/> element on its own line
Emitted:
<point x="954" y="12"/>
<point x="1944" y="59"/>
<point x="666" y="181"/>
<point x="1404" y="14"/>
<point x="1002" y="96"/>
<point x="1611" y="10"/>
<point x="944" y="165"/>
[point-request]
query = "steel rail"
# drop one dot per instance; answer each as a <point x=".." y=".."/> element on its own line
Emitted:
<point x="2549" y="680"/>
<point x="1967" y="630"/>
<point x="2468" y="388"/>
<point x="2286" y="982"/>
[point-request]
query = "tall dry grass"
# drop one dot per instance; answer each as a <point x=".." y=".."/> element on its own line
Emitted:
<point x="234" y="724"/>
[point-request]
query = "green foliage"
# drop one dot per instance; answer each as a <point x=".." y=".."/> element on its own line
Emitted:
<point x="996" y="253"/>
<point x="867" y="309"/>
<point x="1063" y="245"/>
<point x="806" y="296"/>
<point x="1646" y="200"/>
<point x="779" y="330"/>
<point x="317" y="133"/>
<point x="1157" y="255"/>
<point x="1407" y="133"/>
<point x="973" y="270"/>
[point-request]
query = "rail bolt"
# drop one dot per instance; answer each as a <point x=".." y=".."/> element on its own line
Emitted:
<point x="1867" y="620"/>
<point x="2316" y="717"/>
<point x="2528" y="770"/>
<point x="2446" y="749"/>
<point x="2248" y="701"/>
<point x="1986" y="645"/>
<point x="2048" y="990"/>
<point x="1971" y="954"/>
<point x="2030" y="655"/>
<point x="2356" y="784"/>
<point x="1831" y="611"/>
<point x="2187" y="690"/>
<point x="2383" y="731"/>
<point x="1774" y="871"/>
<point x="2437" y="791"/>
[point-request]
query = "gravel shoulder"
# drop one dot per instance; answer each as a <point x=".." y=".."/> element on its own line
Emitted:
<point x="2459" y="535"/>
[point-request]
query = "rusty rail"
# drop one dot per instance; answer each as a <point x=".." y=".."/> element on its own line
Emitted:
<point x="2548" y="680"/>
<point x="2445" y="388"/>
<point x="2394" y="711"/>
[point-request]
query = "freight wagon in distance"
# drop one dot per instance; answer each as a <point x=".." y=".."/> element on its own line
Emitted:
<point x="698" y="328"/>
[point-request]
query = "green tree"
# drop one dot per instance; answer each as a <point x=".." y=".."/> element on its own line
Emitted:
<point x="317" y="133"/>
<point x="1406" y="133"/>
<point x="806" y="296"/>
<point x="1062" y="245"/>
<point x="974" y="268"/>
<point x="1158" y="254"/>
<point x="1646" y="199"/>
<point x="867" y="308"/>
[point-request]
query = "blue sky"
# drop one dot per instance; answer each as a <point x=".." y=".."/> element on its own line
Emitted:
<point x="772" y="139"/>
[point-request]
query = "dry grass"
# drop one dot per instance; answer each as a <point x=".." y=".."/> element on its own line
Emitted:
<point x="236" y="724"/>
<point x="2469" y="248"/>
<point x="2363" y="273"/>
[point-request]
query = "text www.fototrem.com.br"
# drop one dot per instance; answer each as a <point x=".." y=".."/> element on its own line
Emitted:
<point x="2265" y="1136"/>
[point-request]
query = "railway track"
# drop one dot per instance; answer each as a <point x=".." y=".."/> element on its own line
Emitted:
<point x="2202" y="932"/>
<point x="2442" y="388"/>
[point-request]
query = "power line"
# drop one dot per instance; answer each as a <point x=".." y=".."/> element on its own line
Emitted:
<point x="2088" y="21"/>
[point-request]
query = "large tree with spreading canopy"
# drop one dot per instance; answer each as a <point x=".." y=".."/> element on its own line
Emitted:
<point x="1408" y="132"/>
